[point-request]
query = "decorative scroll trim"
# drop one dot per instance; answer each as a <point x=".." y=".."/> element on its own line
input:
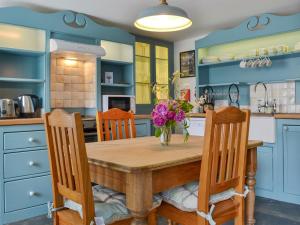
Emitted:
<point x="258" y="23"/>
<point x="75" y="20"/>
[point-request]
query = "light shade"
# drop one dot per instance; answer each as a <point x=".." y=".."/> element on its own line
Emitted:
<point x="163" y="18"/>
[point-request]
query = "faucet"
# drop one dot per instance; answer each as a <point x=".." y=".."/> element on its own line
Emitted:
<point x="266" y="101"/>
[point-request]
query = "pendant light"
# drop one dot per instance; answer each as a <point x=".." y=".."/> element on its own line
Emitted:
<point x="163" y="18"/>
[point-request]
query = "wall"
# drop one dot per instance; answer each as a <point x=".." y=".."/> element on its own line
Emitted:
<point x="184" y="83"/>
<point x="72" y="83"/>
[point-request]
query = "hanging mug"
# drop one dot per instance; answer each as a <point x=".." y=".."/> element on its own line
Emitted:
<point x="243" y="63"/>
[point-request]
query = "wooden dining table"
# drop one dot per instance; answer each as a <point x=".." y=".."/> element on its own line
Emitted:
<point x="141" y="167"/>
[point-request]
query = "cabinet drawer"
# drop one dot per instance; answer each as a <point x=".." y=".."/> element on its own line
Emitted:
<point x="25" y="163"/>
<point x="143" y="130"/>
<point x="27" y="193"/>
<point x="24" y="139"/>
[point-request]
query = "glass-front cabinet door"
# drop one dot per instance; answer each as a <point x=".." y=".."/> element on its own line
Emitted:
<point x="143" y="73"/>
<point x="162" y="72"/>
<point x="153" y="68"/>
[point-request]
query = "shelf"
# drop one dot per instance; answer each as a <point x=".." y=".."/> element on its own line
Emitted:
<point x="289" y="54"/>
<point x="116" y="62"/>
<point x="21" y="80"/>
<point x="116" y="85"/>
<point x="22" y="52"/>
<point x="222" y="84"/>
<point x="142" y="56"/>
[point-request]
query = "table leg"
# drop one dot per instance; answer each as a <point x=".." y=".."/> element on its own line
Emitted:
<point x="251" y="181"/>
<point x="139" y="196"/>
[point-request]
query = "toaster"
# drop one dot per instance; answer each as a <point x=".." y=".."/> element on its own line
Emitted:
<point x="7" y="108"/>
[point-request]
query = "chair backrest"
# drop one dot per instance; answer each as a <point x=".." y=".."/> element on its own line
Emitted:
<point x="115" y="124"/>
<point x="68" y="161"/>
<point x="224" y="157"/>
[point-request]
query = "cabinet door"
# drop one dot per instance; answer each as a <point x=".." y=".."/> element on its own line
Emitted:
<point x="117" y="51"/>
<point x="162" y="72"/>
<point x="142" y="73"/>
<point x="264" y="175"/>
<point x="291" y="154"/>
<point x="143" y="128"/>
<point x="23" y="38"/>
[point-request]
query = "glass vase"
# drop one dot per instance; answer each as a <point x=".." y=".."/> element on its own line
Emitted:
<point x="165" y="136"/>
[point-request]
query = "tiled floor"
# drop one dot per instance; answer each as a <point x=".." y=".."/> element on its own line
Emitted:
<point x="268" y="212"/>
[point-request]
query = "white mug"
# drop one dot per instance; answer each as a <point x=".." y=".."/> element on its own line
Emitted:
<point x="243" y="63"/>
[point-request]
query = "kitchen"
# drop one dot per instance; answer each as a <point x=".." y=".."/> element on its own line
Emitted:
<point x="61" y="59"/>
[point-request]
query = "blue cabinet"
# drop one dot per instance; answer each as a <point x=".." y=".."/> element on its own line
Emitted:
<point x="264" y="176"/>
<point x="25" y="178"/>
<point x="291" y="160"/>
<point x="143" y="127"/>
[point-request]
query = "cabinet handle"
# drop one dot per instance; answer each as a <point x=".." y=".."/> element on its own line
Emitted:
<point x="31" y="163"/>
<point x="286" y="128"/>
<point x="32" y="193"/>
<point x="31" y="139"/>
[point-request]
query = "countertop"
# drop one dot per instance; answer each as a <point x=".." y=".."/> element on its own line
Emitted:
<point x="23" y="121"/>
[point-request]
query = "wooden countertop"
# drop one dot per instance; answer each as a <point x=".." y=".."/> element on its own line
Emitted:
<point x="287" y="116"/>
<point x="27" y="121"/>
<point x="142" y="116"/>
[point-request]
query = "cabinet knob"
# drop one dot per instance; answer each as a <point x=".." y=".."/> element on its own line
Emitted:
<point x="31" y="139"/>
<point x="31" y="163"/>
<point x="32" y="193"/>
<point x="285" y="128"/>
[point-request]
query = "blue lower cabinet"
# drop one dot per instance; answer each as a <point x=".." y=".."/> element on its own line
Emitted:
<point x="264" y="177"/>
<point x="26" y="193"/>
<point x="25" y="185"/>
<point x="291" y="160"/>
<point x="143" y="127"/>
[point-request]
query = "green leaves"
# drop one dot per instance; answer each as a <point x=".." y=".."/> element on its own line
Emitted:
<point x="158" y="132"/>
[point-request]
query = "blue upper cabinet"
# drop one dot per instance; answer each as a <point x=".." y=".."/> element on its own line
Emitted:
<point x="219" y="54"/>
<point x="256" y="26"/>
<point x="25" y="62"/>
<point x="66" y="22"/>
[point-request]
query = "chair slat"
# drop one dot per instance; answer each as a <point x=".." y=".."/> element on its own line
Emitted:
<point x="106" y="128"/>
<point x="113" y="129"/>
<point x="74" y="163"/>
<point x="224" y="154"/>
<point x="67" y="158"/>
<point x="57" y="161"/>
<point x="61" y="156"/>
<point x="216" y="153"/>
<point x="120" y="129"/>
<point x="232" y="137"/>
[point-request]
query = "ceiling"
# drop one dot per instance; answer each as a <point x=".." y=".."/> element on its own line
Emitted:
<point x="207" y="15"/>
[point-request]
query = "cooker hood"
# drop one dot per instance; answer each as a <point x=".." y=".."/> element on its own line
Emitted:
<point x="73" y="49"/>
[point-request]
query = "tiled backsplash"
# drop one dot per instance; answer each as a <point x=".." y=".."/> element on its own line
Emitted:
<point x="283" y="93"/>
<point x="73" y="83"/>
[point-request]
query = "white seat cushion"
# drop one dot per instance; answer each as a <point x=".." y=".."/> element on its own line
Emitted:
<point x="109" y="204"/>
<point x="185" y="197"/>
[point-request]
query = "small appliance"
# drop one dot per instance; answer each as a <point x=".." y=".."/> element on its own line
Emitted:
<point x="123" y="102"/>
<point x="28" y="106"/>
<point x="7" y="108"/>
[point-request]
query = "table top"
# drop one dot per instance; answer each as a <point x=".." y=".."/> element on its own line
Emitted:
<point x="138" y="154"/>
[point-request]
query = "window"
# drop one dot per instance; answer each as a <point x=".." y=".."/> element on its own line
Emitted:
<point x="142" y="71"/>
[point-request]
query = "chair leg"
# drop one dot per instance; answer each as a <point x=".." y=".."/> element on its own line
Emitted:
<point x="55" y="219"/>
<point x="202" y="221"/>
<point x="152" y="218"/>
<point x="240" y="219"/>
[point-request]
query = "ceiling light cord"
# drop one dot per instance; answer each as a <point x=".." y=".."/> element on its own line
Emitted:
<point x="163" y="2"/>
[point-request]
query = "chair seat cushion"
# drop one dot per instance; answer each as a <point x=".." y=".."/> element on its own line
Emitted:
<point x="109" y="204"/>
<point x="185" y="197"/>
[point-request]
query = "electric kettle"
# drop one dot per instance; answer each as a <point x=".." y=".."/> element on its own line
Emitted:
<point x="28" y="105"/>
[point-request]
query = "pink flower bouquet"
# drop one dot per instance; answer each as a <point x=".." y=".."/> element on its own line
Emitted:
<point x="166" y="115"/>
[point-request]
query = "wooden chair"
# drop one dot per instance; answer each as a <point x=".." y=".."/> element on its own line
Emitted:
<point x="69" y="168"/>
<point x="111" y="124"/>
<point x="223" y="167"/>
